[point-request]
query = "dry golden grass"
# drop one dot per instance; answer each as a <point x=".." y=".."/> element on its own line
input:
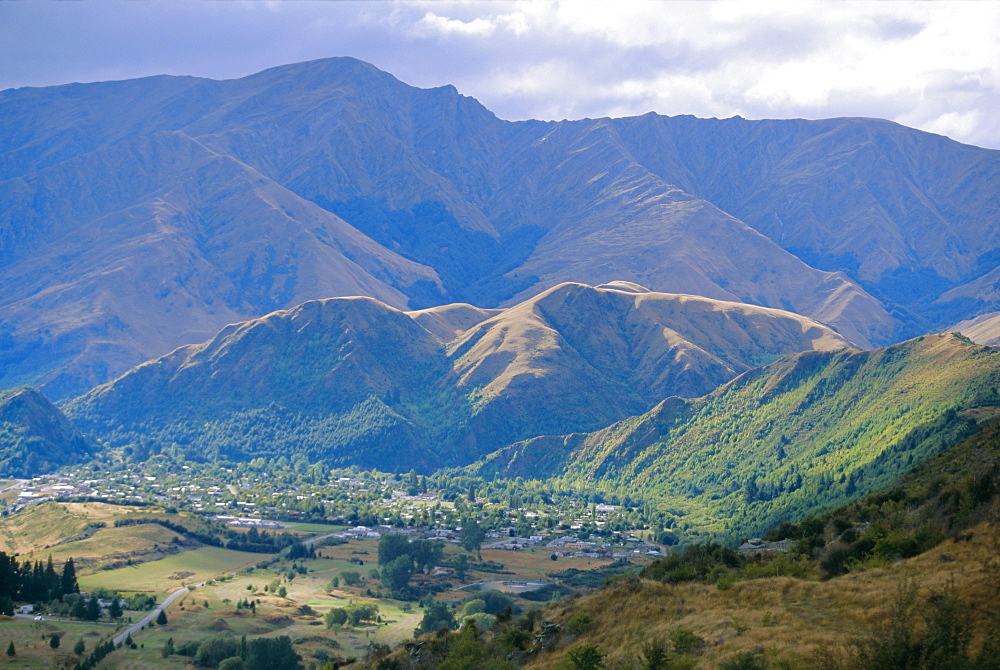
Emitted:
<point x="787" y="619"/>
<point x="537" y="563"/>
<point x="60" y="528"/>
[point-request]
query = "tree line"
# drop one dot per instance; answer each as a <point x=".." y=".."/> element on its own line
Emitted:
<point x="254" y="541"/>
<point x="34" y="582"/>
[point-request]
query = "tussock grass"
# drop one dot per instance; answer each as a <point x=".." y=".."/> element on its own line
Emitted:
<point x="788" y="620"/>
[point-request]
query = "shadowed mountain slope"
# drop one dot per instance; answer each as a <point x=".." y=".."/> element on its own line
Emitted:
<point x="35" y="437"/>
<point x="898" y="209"/>
<point x="354" y="381"/>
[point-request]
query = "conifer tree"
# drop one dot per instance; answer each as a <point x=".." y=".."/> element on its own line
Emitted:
<point x="69" y="584"/>
<point x="10" y="649"/>
<point x="53" y="585"/>
<point x="9" y="576"/>
<point x="92" y="610"/>
<point x="168" y="648"/>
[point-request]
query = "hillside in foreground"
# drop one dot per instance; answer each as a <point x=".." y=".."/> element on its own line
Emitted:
<point x="786" y="622"/>
<point x="921" y="588"/>
<point x="906" y="577"/>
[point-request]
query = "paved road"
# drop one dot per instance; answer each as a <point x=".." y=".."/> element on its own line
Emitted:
<point x="136" y="627"/>
<point x="16" y="485"/>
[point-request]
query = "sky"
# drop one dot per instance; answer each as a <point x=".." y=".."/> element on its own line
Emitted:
<point x="929" y="65"/>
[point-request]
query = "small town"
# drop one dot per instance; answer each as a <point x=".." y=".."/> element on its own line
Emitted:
<point x="367" y="506"/>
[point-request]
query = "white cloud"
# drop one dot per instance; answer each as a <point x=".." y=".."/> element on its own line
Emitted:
<point x="432" y="24"/>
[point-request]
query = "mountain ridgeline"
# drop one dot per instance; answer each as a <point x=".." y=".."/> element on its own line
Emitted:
<point x="141" y="215"/>
<point x="353" y="381"/>
<point x="797" y="436"/>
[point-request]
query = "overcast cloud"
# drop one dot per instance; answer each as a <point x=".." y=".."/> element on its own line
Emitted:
<point x="931" y="65"/>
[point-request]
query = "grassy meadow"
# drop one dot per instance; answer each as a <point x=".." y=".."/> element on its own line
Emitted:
<point x="171" y="572"/>
<point x="31" y="641"/>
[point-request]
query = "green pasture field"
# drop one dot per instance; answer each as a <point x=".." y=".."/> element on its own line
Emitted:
<point x="167" y="574"/>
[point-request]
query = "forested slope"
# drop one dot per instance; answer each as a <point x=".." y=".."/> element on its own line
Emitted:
<point x="804" y="433"/>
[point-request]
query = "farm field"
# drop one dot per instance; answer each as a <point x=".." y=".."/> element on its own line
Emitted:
<point x="213" y="609"/>
<point x="167" y="574"/>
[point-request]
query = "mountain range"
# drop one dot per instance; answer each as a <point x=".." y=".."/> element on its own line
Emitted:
<point x="141" y="215"/>
<point x="353" y="381"/>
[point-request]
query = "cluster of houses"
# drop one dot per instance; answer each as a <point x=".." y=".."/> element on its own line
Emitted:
<point x="132" y="487"/>
<point x="629" y="547"/>
<point x="247" y="522"/>
<point x="514" y="543"/>
<point x="47" y="487"/>
<point x="208" y="497"/>
<point x="563" y="545"/>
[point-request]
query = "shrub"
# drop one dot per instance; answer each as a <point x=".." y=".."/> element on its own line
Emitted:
<point x="724" y="580"/>
<point x="474" y="606"/>
<point x="836" y="560"/>
<point x="656" y="655"/>
<point x="941" y="642"/>
<point x="513" y="637"/>
<point x="746" y="660"/>
<point x="586" y="657"/>
<point x="231" y="663"/>
<point x="579" y="622"/>
<point x="482" y="620"/>
<point x="696" y="562"/>
<point x="685" y="641"/>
